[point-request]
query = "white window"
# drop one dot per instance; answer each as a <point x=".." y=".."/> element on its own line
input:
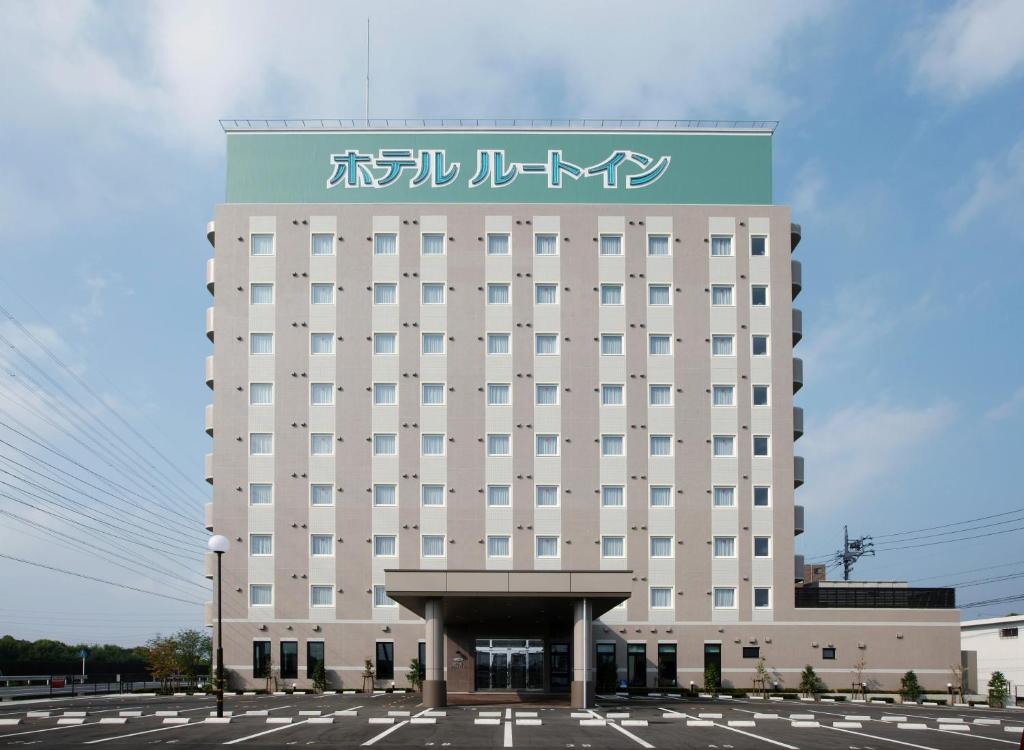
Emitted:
<point x="385" y="343"/>
<point x="762" y="546"/>
<point x="321" y="394"/>
<point x="759" y="295"/>
<point x="611" y="294"/>
<point x="261" y="394"/>
<point x="381" y="598"/>
<point x="611" y="343"/>
<point x="613" y="546"/>
<point x="657" y="244"/>
<point x="547" y="343"/>
<point x="724" y="497"/>
<point x="547" y="445"/>
<point x="261" y="494"/>
<point x="261" y="444"/>
<point x="322" y="244"/>
<point x="321" y="444"/>
<point x="659" y="294"/>
<point x="498" y="546"/>
<point x="499" y="495"/>
<point x="761" y="445"/>
<point x="758" y="245"/>
<point x="433" y="294"/>
<point x="322" y="294"/>
<point x="433" y="343"/>
<point x="612" y="445"/>
<point x="762" y="497"/>
<point x="613" y="496"/>
<point x="660" y="344"/>
<point x="385" y="294"/>
<point x="432" y="494"/>
<point x="725" y="546"/>
<point x="321" y="494"/>
<point x="661" y="497"/>
<point x="261" y="594"/>
<point x="547" y="394"/>
<point x="547" y="495"/>
<point x="385" y="494"/>
<point x="321" y="343"/>
<point x="497" y="244"/>
<point x="547" y="546"/>
<point x="546" y="294"/>
<point x="760" y="395"/>
<point x="546" y="244"/>
<point x="661" y="546"/>
<point x="725" y="598"/>
<point x="499" y="394"/>
<point x="721" y="345"/>
<point x="661" y="597"/>
<point x="661" y="445"/>
<point x="432" y="545"/>
<point x="261" y="244"/>
<point x="722" y="395"/>
<point x="721" y="294"/>
<point x="498" y="294"/>
<point x="261" y="294"/>
<point x="321" y="596"/>
<point x="762" y="598"/>
<point x="432" y="244"/>
<point x="612" y="395"/>
<point x="385" y="244"/>
<point x="721" y="246"/>
<point x="432" y="445"/>
<point x="261" y="343"/>
<point x="611" y="244"/>
<point x="321" y="545"/>
<point x="261" y="545"/>
<point x="759" y="345"/>
<point x="724" y="445"/>
<point x="432" y="394"/>
<point x="385" y="545"/>
<point x="661" y="395"/>
<point x="385" y="444"/>
<point x="499" y="445"/>
<point x="498" y="343"/>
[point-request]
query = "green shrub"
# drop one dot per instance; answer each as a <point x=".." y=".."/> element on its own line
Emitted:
<point x="910" y="688"/>
<point x="998" y="689"/>
<point x="810" y="683"/>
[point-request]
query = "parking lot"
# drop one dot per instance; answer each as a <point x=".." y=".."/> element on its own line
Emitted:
<point x="396" y="720"/>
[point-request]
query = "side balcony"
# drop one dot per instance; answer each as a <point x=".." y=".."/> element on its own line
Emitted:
<point x="209" y="564"/>
<point x="208" y="417"/>
<point x="211" y="233"/>
<point x="209" y="614"/>
<point x="208" y="516"/>
<point x="209" y="371"/>
<point x="798" y="471"/>
<point x="208" y="467"/>
<point x="798" y="422"/>
<point x="209" y="322"/>
<point x="796" y="272"/>
<point x="798" y="568"/>
<point x="798" y="325"/>
<point x="798" y="520"/>
<point x="795" y="232"/>
<point x="798" y="374"/>
<point x="209" y="275"/>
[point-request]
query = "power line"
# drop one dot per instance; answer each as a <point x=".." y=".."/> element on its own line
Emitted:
<point x="998" y="600"/>
<point x="947" y="525"/>
<point x="951" y="541"/>
<point x="971" y="570"/>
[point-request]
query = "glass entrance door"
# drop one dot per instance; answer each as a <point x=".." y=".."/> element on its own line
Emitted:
<point x="509" y="664"/>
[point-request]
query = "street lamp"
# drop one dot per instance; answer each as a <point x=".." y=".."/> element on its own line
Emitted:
<point x="219" y="545"/>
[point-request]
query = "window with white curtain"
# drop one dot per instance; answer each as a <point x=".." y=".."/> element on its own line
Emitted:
<point x="261" y="594"/>
<point x="613" y="546"/>
<point x="321" y="545"/>
<point x="433" y="294"/>
<point x="612" y="395"/>
<point x="611" y="244"/>
<point x="381" y="598"/>
<point x="758" y="245"/>
<point x="762" y="598"/>
<point x="661" y="445"/>
<point x="546" y="244"/>
<point x="261" y="394"/>
<point x="660" y="344"/>
<point x="385" y="294"/>
<point x="322" y="244"/>
<point x="499" y="394"/>
<point x="498" y="294"/>
<point x="385" y="444"/>
<point x="432" y="244"/>
<point x="724" y="497"/>
<point x="661" y="395"/>
<point x="385" y="394"/>
<point x="724" y="445"/>
<point x="546" y="294"/>
<point x="322" y="294"/>
<point x="612" y="445"/>
<point x="321" y="343"/>
<point x="547" y="546"/>
<point x="499" y="495"/>
<point x="661" y="546"/>
<point x="725" y="598"/>
<point x="499" y="445"/>
<point x="261" y="294"/>
<point x="611" y="294"/>
<point x="721" y="246"/>
<point x="547" y="394"/>
<point x="433" y="343"/>
<point x="497" y="244"/>
<point x="261" y="244"/>
<point x="759" y="345"/>
<point x="721" y="345"/>
<point x="659" y="294"/>
<point x="432" y="494"/>
<point x="261" y="343"/>
<point x="261" y="444"/>
<point x="611" y="343"/>
<point x="385" y="494"/>
<point x="547" y="343"/>
<point x="547" y="445"/>
<point x="759" y="295"/>
<point x="762" y="546"/>
<point x="498" y="343"/>
<point x="385" y="244"/>
<point x="721" y="294"/>
<point x="321" y="394"/>
<point x="761" y="445"/>
<point x="321" y="596"/>
<point x="498" y="546"/>
<point x="722" y="395"/>
<point x="762" y="497"/>
<point x="385" y="545"/>
<point x="432" y="545"/>
<point x="657" y="244"/>
<point x="725" y="546"/>
<point x="321" y="444"/>
<point x="546" y="495"/>
<point x="760" y="395"/>
<point x="261" y="494"/>
<point x="613" y="496"/>
<point x="321" y="494"/>
<point x="432" y="445"/>
<point x="661" y="597"/>
<point x="385" y="343"/>
<point x="660" y="497"/>
<point x="261" y="545"/>
<point x="432" y="394"/>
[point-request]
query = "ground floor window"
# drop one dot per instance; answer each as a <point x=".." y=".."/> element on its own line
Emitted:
<point x="421" y="654"/>
<point x="314" y="657"/>
<point x="289" y="660"/>
<point x="509" y="664"/>
<point x="385" y="660"/>
<point x="607" y="670"/>
<point x="666" y="665"/>
<point x="260" y="658"/>
<point x="636" y="664"/>
<point x="561" y="667"/>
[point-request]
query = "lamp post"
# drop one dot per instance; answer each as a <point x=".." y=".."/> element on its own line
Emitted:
<point x="219" y="545"/>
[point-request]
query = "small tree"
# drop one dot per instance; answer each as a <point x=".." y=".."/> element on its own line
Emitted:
<point x="193" y="649"/>
<point x="810" y="683"/>
<point x="910" y="688"/>
<point x="368" y="674"/>
<point x="162" y="659"/>
<point x="416" y="674"/>
<point x="857" y="671"/>
<point x="761" y="675"/>
<point x="998" y="690"/>
<point x="712" y="677"/>
<point x="319" y="677"/>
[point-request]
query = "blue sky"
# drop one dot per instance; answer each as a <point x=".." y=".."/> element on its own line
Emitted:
<point x="901" y="150"/>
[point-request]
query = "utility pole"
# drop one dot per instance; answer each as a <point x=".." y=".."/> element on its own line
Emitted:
<point x="367" y="72"/>
<point x="853" y="550"/>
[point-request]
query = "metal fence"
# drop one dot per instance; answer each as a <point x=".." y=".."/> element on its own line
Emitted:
<point x="24" y="686"/>
<point x="875" y="597"/>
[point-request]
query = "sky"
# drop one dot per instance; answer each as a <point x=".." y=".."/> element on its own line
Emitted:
<point x="900" y="149"/>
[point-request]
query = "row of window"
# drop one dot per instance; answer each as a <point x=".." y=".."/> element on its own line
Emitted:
<point x="500" y="243"/>
<point x="500" y="495"/>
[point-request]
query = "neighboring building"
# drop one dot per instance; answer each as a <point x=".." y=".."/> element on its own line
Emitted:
<point x="990" y="645"/>
<point x="815" y="572"/>
<point x="517" y="400"/>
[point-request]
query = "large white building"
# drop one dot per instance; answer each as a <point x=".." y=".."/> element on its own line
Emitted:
<point x="994" y="644"/>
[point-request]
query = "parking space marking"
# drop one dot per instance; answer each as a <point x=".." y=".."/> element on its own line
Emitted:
<point x="883" y="739"/>
<point x="389" y="730"/>
<point x="975" y="736"/>
<point x="267" y="731"/>
<point x="37" y="731"/>
<point x="508" y="734"/>
<point x="616" y="727"/>
<point x="136" y="734"/>
<point x="738" y="731"/>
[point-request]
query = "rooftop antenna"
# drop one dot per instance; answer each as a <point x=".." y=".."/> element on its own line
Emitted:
<point x="367" y="71"/>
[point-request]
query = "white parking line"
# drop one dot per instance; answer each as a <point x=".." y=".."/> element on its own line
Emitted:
<point x="389" y="730"/>
<point x="616" y="727"/>
<point x="136" y="734"/>
<point x="977" y="737"/>
<point x="508" y="734"/>
<point x="51" y="729"/>
<point x="268" y="731"/>
<point x="883" y="739"/>
<point x="738" y="731"/>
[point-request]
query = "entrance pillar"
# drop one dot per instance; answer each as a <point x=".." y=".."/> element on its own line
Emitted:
<point x="435" y="692"/>
<point x="582" y="669"/>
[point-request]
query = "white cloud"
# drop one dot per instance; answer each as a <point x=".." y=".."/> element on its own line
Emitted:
<point x="1009" y="408"/>
<point x="969" y="49"/>
<point x="809" y="183"/>
<point x="998" y="187"/>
